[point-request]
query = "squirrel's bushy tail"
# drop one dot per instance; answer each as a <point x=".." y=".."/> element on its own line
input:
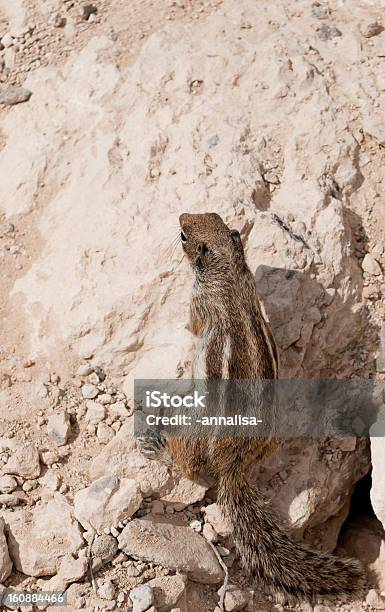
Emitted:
<point x="271" y="556"/>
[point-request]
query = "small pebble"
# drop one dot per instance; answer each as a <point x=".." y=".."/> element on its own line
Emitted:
<point x="89" y="391"/>
<point x="142" y="598"/>
<point x="84" y="370"/>
<point x="7" y="40"/>
<point x="327" y="32"/>
<point x="12" y="94"/>
<point x="370" y="28"/>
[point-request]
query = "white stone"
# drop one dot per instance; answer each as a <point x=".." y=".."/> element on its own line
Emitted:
<point x="142" y="598"/>
<point x="39" y="538"/>
<point x="7" y="484"/>
<point x="377" y="496"/>
<point x="59" y="428"/>
<point x="95" y="412"/>
<point x="84" y="370"/>
<point x="370" y="265"/>
<point x="7" y="40"/>
<point x="104" y="433"/>
<point x="106" y="501"/>
<point x="167" y="590"/>
<point x="24" y="462"/>
<point x="235" y="599"/>
<point x="214" y="515"/>
<point x="70" y="570"/>
<point x="89" y="391"/>
<point x="118" y="409"/>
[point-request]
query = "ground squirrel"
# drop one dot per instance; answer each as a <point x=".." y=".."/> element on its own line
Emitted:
<point x="235" y="342"/>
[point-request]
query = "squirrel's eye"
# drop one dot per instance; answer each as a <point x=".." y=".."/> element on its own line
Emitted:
<point x="183" y="237"/>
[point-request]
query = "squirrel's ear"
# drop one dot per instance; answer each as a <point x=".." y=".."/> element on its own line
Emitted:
<point x="238" y="247"/>
<point x="236" y="238"/>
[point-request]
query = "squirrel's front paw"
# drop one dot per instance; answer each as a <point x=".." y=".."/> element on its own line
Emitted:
<point x="151" y="444"/>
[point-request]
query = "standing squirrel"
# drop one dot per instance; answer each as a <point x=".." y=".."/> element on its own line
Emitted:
<point x="235" y="342"/>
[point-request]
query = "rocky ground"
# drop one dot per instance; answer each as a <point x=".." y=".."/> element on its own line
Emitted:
<point x="115" y="118"/>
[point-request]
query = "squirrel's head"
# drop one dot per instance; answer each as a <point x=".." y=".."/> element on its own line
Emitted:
<point x="211" y="247"/>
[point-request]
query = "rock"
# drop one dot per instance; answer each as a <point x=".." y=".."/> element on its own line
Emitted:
<point x="12" y="94"/>
<point x="24" y="462"/>
<point x="118" y="409"/>
<point x="363" y="539"/>
<point x="93" y="378"/>
<point x="142" y="598"/>
<point x="370" y="265"/>
<point x="178" y="548"/>
<point x="310" y="503"/>
<point x="49" y="457"/>
<point x="5" y="559"/>
<point x="375" y="600"/>
<point x="235" y="599"/>
<point x="7" y="40"/>
<point x="105" y="547"/>
<point x="377" y="444"/>
<point x="38" y="539"/>
<point x="95" y="412"/>
<point x="321" y="608"/>
<point x="12" y="499"/>
<point x="106" y="502"/>
<point x="370" y="28"/>
<point x="122" y="457"/>
<point x="106" y="590"/>
<point x="84" y="370"/>
<point x="7" y="484"/>
<point x="184" y="493"/>
<point x="167" y="591"/>
<point x="157" y="507"/>
<point x="70" y="570"/>
<point x="89" y="391"/>
<point x="105" y="399"/>
<point x="327" y="32"/>
<point x="209" y="533"/>
<point x="50" y="480"/>
<point x="104" y="433"/>
<point x="59" y="428"/>
<point x="196" y="526"/>
<point x="214" y="516"/>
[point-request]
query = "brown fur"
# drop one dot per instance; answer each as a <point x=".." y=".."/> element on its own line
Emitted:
<point x="225" y="311"/>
